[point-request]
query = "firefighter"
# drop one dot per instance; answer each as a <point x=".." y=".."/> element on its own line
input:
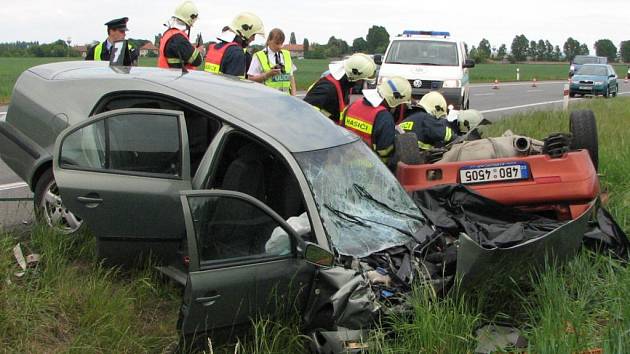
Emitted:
<point x="429" y="123"/>
<point x="228" y="56"/>
<point x="371" y="119"/>
<point x="273" y="65"/>
<point x="330" y="94"/>
<point x="116" y="31"/>
<point x="175" y="47"/>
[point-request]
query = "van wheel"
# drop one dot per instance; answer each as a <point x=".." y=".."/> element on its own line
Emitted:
<point x="49" y="208"/>
<point x="583" y="127"/>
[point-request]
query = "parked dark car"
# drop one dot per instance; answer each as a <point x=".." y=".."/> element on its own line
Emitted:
<point x="594" y="79"/>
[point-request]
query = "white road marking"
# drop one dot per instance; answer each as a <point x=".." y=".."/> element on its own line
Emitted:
<point x="536" y="104"/>
<point x="521" y="83"/>
<point x="9" y="186"/>
<point x="484" y="94"/>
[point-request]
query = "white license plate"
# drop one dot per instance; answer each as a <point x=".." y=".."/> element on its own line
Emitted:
<point x="494" y="173"/>
<point x="585" y="87"/>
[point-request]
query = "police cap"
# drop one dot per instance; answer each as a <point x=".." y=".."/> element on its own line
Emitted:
<point x="119" y="23"/>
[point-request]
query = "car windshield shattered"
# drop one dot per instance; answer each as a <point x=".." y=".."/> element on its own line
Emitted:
<point x="363" y="208"/>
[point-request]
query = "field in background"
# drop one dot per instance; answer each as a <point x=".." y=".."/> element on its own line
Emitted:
<point x="71" y="304"/>
<point x="310" y="70"/>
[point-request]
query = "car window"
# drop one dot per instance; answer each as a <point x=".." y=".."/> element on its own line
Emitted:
<point x="423" y="52"/>
<point x="133" y="143"/>
<point x="592" y="70"/>
<point x="231" y="229"/>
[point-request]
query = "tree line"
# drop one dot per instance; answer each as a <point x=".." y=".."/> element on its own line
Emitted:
<point x="376" y="41"/>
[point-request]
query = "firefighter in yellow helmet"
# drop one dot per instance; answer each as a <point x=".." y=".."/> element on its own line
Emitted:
<point x="227" y="56"/>
<point x="371" y="119"/>
<point x="330" y="94"/>
<point x="175" y="47"/>
<point x="429" y="123"/>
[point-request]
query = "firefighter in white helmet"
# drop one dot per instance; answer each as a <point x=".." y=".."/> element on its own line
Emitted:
<point x="175" y="47"/>
<point x="228" y="56"/>
<point x="371" y="117"/>
<point x="330" y="94"/>
<point x="429" y="123"/>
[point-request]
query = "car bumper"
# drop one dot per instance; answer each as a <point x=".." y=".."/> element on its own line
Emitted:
<point x="19" y="152"/>
<point x="453" y="96"/>
<point x="587" y="89"/>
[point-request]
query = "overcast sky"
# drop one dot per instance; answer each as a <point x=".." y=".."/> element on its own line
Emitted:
<point x="497" y="20"/>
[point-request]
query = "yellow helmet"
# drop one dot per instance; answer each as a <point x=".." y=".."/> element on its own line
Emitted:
<point x="247" y="24"/>
<point x="434" y="104"/>
<point x="359" y="67"/>
<point x="395" y="91"/>
<point x="187" y="12"/>
<point x="469" y="119"/>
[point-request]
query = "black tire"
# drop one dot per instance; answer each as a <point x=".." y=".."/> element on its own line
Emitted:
<point x="583" y="127"/>
<point x="47" y="209"/>
<point x="606" y="93"/>
<point x="614" y="94"/>
<point x="571" y="94"/>
<point x="407" y="151"/>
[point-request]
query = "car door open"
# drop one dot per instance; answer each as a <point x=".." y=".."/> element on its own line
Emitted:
<point x="245" y="261"/>
<point x="121" y="172"/>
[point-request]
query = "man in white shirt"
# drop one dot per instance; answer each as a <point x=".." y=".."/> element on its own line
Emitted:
<point x="273" y="65"/>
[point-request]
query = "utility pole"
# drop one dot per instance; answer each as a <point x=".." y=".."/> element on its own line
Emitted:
<point x="69" y="40"/>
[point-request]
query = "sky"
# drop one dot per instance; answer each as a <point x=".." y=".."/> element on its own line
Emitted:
<point x="470" y="21"/>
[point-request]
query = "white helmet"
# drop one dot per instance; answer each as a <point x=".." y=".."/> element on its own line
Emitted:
<point x="434" y="104"/>
<point x="469" y="119"/>
<point x="187" y="12"/>
<point x="359" y="67"/>
<point x="247" y="24"/>
<point x="395" y="91"/>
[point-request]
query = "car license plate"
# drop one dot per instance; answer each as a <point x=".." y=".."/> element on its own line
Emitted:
<point x="585" y="87"/>
<point x="508" y="171"/>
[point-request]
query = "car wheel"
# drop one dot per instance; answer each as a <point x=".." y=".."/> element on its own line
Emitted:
<point x="571" y="94"/>
<point x="605" y="94"/>
<point x="614" y="94"/>
<point x="406" y="149"/>
<point x="583" y="127"/>
<point x="49" y="208"/>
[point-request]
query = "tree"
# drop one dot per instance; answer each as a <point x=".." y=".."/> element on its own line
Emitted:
<point x="606" y="48"/>
<point x="484" y="50"/>
<point x="466" y="48"/>
<point x="624" y="50"/>
<point x="336" y="47"/>
<point x="305" y="44"/>
<point x="520" y="46"/>
<point x="533" y="50"/>
<point x="156" y="39"/>
<point x="502" y="52"/>
<point x="584" y="49"/>
<point x="557" y="53"/>
<point x="473" y="54"/>
<point x="292" y="40"/>
<point x="377" y="39"/>
<point x="548" y="51"/>
<point x="359" y="45"/>
<point x="571" y="48"/>
<point x="541" y="49"/>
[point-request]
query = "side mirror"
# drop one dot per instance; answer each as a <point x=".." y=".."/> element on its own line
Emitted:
<point x="378" y="59"/>
<point x="318" y="256"/>
<point x="469" y="63"/>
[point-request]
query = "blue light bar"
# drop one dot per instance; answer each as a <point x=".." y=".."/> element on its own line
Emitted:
<point x="409" y="33"/>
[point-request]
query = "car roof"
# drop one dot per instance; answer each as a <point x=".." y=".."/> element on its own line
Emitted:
<point x="242" y="103"/>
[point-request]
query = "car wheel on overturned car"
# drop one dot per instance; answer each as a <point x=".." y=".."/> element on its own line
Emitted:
<point x="49" y="208"/>
<point x="583" y="127"/>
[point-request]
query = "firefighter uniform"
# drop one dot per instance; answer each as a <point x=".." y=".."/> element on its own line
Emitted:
<point x="430" y="131"/>
<point x="375" y="125"/>
<point x="330" y="96"/>
<point x="175" y="47"/>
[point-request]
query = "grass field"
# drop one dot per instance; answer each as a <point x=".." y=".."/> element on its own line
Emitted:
<point x="71" y="304"/>
<point x="310" y="70"/>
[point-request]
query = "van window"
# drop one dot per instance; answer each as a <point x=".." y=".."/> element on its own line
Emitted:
<point x="438" y="53"/>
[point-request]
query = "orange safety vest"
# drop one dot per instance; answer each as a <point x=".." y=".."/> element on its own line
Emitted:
<point x="214" y="57"/>
<point x="359" y="118"/>
<point x="163" y="61"/>
<point x="340" y="96"/>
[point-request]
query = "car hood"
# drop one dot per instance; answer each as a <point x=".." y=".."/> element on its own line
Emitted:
<point x="589" y="78"/>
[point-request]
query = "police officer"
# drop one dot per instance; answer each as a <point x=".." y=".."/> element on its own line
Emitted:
<point x="228" y="55"/>
<point x="116" y="31"/>
<point x="428" y="123"/>
<point x="330" y="93"/>
<point x="370" y="117"/>
<point x="175" y="47"/>
<point x="273" y="65"/>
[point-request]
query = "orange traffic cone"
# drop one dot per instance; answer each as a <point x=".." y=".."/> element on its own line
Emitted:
<point x="534" y="83"/>
<point x="496" y="85"/>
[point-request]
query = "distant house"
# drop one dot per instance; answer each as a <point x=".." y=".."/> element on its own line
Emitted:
<point x="148" y="49"/>
<point x="81" y="49"/>
<point x="297" y="50"/>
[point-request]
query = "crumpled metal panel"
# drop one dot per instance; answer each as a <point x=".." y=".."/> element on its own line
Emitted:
<point x="478" y="266"/>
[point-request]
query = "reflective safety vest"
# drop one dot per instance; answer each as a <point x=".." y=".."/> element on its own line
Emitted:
<point x="282" y="81"/>
<point x="163" y="61"/>
<point x="214" y="57"/>
<point x="340" y="96"/>
<point x="359" y="118"/>
<point x="98" y="50"/>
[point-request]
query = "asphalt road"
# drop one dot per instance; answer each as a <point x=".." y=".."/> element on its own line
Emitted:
<point x="495" y="104"/>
